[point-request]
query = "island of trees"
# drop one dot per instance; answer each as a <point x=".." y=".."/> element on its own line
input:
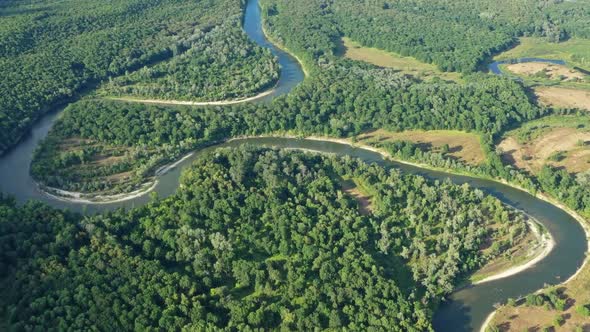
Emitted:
<point x="253" y="238"/>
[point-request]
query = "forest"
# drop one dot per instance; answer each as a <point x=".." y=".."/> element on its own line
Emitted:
<point x="456" y="35"/>
<point x="50" y="54"/>
<point x="258" y="238"/>
<point x="253" y="238"/>
<point x="221" y="64"/>
<point x="343" y="101"/>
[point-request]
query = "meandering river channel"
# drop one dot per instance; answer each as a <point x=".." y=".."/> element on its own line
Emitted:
<point x="465" y="310"/>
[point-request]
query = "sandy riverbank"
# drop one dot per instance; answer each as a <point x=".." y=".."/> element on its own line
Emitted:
<point x="192" y="103"/>
<point x="78" y="197"/>
<point x="545" y="241"/>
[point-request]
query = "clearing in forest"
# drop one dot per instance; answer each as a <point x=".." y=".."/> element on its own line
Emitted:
<point x="546" y="70"/>
<point x="360" y="194"/>
<point x="85" y="165"/>
<point x="561" y="141"/>
<point x="408" y="65"/>
<point x="463" y="146"/>
<point x="564" y="97"/>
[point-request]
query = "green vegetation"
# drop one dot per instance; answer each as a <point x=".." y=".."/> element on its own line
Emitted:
<point x="583" y="310"/>
<point x="221" y="64"/>
<point x="406" y="65"/>
<point x="575" y="51"/>
<point x="341" y="102"/>
<point x="532" y="130"/>
<point x="51" y="52"/>
<point x="455" y="35"/>
<point x="253" y="238"/>
<point x="258" y="238"/>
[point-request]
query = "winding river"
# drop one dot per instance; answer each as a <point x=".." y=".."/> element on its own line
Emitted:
<point x="465" y="310"/>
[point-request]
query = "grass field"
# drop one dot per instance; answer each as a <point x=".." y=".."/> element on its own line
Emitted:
<point x="561" y="141"/>
<point x="463" y="146"/>
<point x="576" y="52"/>
<point x="546" y="71"/>
<point x="561" y="97"/>
<point x="408" y="65"/>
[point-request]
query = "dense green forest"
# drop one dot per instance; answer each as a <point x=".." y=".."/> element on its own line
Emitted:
<point x="221" y="64"/>
<point x="258" y="238"/>
<point x="343" y="101"/>
<point x="456" y="35"/>
<point x="253" y="238"/>
<point x="49" y="52"/>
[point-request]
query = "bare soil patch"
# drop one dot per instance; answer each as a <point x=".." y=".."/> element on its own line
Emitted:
<point x="363" y="199"/>
<point x="533" y="155"/>
<point x="549" y="70"/>
<point x="531" y="318"/>
<point x="103" y="160"/>
<point x="564" y="97"/>
<point x="463" y="146"/>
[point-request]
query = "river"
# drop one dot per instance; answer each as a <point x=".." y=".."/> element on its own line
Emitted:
<point x="465" y="309"/>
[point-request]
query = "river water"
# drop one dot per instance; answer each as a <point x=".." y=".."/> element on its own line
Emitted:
<point x="465" y="310"/>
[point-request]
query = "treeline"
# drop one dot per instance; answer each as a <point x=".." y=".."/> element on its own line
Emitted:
<point x="573" y="190"/>
<point x="343" y="101"/>
<point x="49" y="53"/>
<point x="454" y="35"/>
<point x="491" y="168"/>
<point x="220" y="64"/>
<point x="253" y="239"/>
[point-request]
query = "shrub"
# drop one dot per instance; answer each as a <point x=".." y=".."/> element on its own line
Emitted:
<point x="535" y="300"/>
<point x="583" y="310"/>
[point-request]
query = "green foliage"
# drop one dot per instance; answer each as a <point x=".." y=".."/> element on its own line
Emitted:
<point x="572" y="190"/>
<point x="51" y="52"/>
<point x="535" y="300"/>
<point x="254" y="238"/>
<point x="219" y="64"/>
<point x="456" y="35"/>
<point x="558" y="156"/>
<point x="583" y="310"/>
<point x="558" y="320"/>
<point x="343" y="101"/>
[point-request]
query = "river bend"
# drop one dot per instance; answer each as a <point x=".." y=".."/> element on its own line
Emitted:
<point x="465" y="309"/>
